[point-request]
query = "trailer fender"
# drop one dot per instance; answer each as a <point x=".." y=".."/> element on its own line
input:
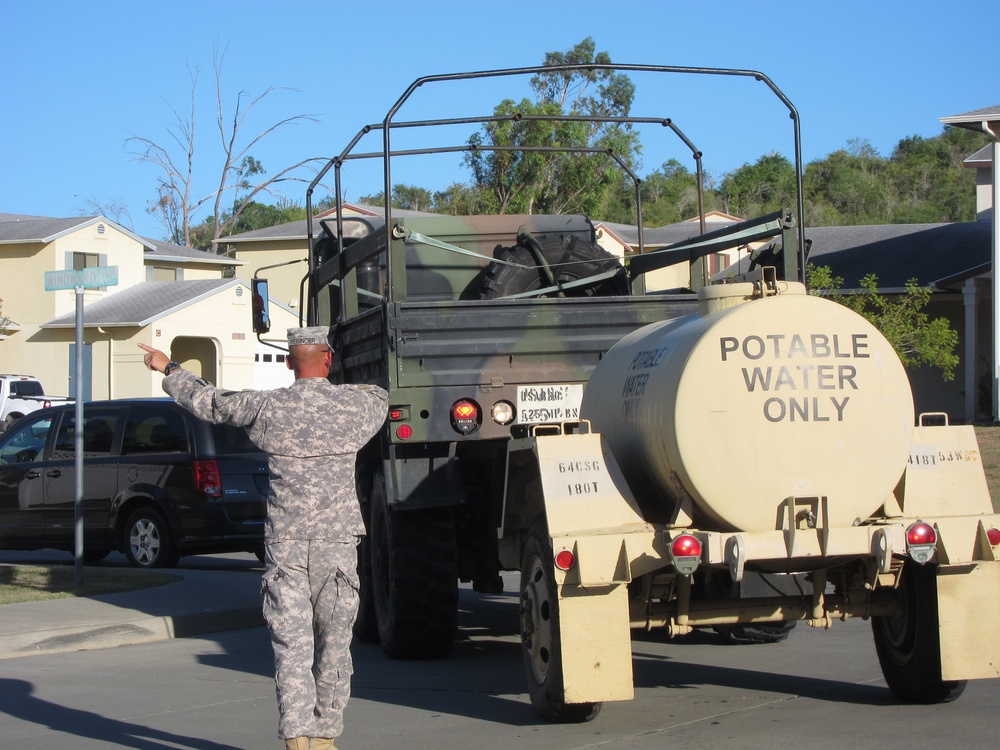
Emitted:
<point x="968" y="613"/>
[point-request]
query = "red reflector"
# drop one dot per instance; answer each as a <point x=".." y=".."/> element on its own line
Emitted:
<point x="994" y="536"/>
<point x="921" y="533"/>
<point x="565" y="559"/>
<point x="686" y="546"/>
<point x="404" y="432"/>
<point x="207" y="478"/>
<point x="464" y="410"/>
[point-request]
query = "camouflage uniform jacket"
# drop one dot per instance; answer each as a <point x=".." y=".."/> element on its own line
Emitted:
<point x="311" y="432"/>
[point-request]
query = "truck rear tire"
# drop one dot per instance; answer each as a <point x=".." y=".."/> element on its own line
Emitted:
<point x="570" y="258"/>
<point x="366" y="624"/>
<point x="540" y="639"/>
<point x="414" y="574"/>
<point x="907" y="643"/>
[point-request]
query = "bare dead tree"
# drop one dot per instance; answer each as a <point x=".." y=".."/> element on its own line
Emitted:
<point x="114" y="209"/>
<point x="177" y="202"/>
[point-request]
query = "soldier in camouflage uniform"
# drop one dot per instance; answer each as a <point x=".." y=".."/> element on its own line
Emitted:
<point x="311" y="432"/>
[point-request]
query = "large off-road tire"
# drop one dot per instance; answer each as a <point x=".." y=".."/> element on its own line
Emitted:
<point x="570" y="259"/>
<point x="414" y="571"/>
<point x="147" y="540"/>
<point x="366" y="624"/>
<point x="908" y="645"/>
<point x="540" y="637"/>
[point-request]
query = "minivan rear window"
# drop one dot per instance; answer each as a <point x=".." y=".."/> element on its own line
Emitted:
<point x="150" y="429"/>
<point x="231" y="440"/>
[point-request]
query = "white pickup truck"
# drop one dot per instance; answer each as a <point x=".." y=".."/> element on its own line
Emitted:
<point x="21" y="394"/>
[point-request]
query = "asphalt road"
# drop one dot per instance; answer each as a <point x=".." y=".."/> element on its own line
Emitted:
<point x="817" y="689"/>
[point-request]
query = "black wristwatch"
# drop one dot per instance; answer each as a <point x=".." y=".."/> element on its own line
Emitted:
<point x="171" y="366"/>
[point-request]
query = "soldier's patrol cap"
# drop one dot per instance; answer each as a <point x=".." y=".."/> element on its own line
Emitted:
<point x="313" y="335"/>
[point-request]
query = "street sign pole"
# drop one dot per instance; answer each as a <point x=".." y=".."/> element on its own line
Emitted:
<point x="78" y="280"/>
<point x="78" y="438"/>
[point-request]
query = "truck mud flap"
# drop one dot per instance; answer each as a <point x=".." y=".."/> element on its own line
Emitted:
<point x="968" y="613"/>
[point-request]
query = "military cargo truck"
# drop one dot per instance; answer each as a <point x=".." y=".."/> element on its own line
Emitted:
<point x="737" y="458"/>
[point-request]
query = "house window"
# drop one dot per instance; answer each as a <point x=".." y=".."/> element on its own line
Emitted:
<point x="164" y="274"/>
<point x="85" y="260"/>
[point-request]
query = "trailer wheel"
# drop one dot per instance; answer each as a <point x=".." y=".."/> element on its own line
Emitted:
<point x="414" y="575"/>
<point x="540" y="641"/>
<point x="907" y="643"/>
<point x="570" y="259"/>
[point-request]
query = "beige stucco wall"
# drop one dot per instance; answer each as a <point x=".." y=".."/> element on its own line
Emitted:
<point x="284" y="281"/>
<point x="117" y="371"/>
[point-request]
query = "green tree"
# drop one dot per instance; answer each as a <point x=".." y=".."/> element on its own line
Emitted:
<point x="930" y="179"/>
<point x="669" y="195"/>
<point x="759" y="188"/>
<point x="917" y="339"/>
<point x="849" y="187"/>
<point x="409" y="197"/>
<point x="531" y="181"/>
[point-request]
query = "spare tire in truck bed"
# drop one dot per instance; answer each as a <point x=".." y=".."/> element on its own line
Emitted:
<point x="567" y="256"/>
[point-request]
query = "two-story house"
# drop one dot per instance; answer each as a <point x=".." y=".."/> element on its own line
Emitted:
<point x="180" y="300"/>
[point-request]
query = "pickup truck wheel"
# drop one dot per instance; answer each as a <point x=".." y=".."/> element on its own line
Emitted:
<point x="570" y="259"/>
<point x="540" y="640"/>
<point x="414" y="573"/>
<point x="147" y="541"/>
<point x="907" y="643"/>
<point x="8" y="421"/>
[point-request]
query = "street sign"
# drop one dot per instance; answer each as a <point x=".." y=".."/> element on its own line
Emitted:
<point x="84" y="278"/>
<point x="88" y="278"/>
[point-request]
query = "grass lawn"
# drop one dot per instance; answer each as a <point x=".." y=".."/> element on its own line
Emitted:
<point x="989" y="447"/>
<point x="30" y="583"/>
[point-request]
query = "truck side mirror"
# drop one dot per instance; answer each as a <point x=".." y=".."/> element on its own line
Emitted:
<point x="261" y="317"/>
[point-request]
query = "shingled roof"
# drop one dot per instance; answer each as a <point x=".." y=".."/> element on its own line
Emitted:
<point x="141" y="304"/>
<point x="937" y="255"/>
<point x="19" y="228"/>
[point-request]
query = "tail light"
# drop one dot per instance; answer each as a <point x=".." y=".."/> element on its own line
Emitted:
<point x="685" y="553"/>
<point x="921" y="540"/>
<point x="207" y="478"/>
<point x="465" y="416"/>
<point x="565" y="559"/>
<point x="993" y="535"/>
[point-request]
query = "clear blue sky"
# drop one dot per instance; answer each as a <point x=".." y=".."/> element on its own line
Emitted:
<point x="80" y="78"/>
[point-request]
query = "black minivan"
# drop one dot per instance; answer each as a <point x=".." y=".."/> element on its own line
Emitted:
<point x="158" y="483"/>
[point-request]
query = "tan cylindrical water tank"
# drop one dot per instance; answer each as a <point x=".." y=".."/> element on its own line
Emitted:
<point x="740" y="408"/>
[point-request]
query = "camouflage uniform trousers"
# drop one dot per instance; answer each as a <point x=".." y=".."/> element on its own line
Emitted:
<point x="310" y="592"/>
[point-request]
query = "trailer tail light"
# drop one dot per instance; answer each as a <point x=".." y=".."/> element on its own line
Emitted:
<point x="465" y="416"/>
<point x="565" y="559"/>
<point x="921" y="539"/>
<point x="685" y="553"/>
<point x="993" y="535"/>
<point x="404" y="432"/>
<point x="207" y="478"/>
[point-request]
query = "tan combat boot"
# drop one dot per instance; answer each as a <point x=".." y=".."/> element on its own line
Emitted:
<point x="297" y="743"/>
<point x="321" y="743"/>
